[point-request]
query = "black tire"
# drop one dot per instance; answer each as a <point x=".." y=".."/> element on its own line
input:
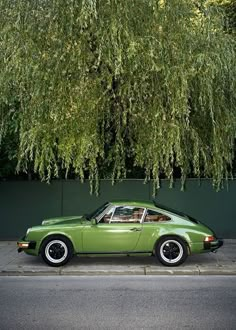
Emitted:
<point x="171" y="251"/>
<point x="56" y="250"/>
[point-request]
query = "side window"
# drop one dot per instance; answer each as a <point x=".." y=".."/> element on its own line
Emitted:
<point x="127" y="214"/>
<point x="154" y="216"/>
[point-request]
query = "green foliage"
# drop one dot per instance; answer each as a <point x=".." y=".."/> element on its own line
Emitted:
<point x="9" y="139"/>
<point x="102" y="81"/>
<point x="229" y="8"/>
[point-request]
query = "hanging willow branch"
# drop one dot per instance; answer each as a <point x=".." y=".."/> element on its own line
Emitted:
<point x="97" y="81"/>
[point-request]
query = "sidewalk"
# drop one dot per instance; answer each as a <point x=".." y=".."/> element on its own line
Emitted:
<point x="221" y="263"/>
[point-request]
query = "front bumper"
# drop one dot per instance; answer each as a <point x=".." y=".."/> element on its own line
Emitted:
<point x="25" y="245"/>
<point x="212" y="246"/>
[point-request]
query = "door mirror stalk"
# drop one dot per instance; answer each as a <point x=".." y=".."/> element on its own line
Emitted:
<point x="93" y="221"/>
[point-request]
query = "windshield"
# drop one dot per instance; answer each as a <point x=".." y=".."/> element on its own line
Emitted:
<point x="98" y="211"/>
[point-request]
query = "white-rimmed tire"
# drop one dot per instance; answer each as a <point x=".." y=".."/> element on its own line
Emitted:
<point x="56" y="250"/>
<point x="171" y="251"/>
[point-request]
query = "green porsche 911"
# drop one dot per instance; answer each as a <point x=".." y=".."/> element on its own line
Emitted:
<point x="121" y="227"/>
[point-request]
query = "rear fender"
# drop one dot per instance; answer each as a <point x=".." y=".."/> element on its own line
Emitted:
<point x="174" y="235"/>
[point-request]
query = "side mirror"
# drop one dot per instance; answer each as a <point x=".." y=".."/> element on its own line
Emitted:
<point x="93" y="221"/>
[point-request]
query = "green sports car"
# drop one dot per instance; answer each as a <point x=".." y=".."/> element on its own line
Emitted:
<point x="121" y="227"/>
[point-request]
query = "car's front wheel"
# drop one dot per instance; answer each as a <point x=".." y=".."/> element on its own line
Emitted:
<point x="56" y="251"/>
<point x="171" y="251"/>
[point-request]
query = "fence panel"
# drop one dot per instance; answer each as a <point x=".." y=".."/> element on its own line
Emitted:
<point x="24" y="204"/>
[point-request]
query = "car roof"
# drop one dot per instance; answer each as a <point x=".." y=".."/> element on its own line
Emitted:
<point x="148" y="204"/>
<point x="133" y="203"/>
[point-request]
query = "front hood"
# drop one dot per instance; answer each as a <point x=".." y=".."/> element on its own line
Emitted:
<point x="64" y="220"/>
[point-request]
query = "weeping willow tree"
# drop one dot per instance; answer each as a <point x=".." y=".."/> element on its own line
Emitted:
<point x="93" y="83"/>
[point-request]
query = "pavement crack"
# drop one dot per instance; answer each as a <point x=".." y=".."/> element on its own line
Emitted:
<point x="198" y="269"/>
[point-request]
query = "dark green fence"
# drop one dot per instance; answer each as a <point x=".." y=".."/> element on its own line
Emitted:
<point x="24" y="204"/>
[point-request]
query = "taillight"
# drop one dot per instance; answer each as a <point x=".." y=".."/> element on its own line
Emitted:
<point x="209" y="239"/>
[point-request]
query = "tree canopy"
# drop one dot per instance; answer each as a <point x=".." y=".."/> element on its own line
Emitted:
<point x="94" y="84"/>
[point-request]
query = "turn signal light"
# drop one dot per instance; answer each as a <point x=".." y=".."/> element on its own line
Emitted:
<point x="209" y="239"/>
<point x="23" y="245"/>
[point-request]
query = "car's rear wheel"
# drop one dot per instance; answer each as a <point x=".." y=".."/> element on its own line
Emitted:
<point x="171" y="251"/>
<point x="56" y="250"/>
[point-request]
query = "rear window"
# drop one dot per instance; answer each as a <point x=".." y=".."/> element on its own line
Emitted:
<point x="168" y="209"/>
<point x="192" y="219"/>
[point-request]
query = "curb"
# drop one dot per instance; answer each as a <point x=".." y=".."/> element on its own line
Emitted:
<point x="102" y="272"/>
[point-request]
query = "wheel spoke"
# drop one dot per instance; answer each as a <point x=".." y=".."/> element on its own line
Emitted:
<point x="172" y="245"/>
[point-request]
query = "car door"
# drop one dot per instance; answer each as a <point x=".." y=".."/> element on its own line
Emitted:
<point x="155" y="223"/>
<point x="118" y="231"/>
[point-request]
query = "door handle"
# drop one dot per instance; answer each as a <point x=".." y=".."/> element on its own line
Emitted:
<point x="135" y="229"/>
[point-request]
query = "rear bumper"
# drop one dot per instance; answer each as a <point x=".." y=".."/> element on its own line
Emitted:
<point x="212" y="246"/>
<point x="25" y="245"/>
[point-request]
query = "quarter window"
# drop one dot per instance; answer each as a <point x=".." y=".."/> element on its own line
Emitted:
<point x="154" y="216"/>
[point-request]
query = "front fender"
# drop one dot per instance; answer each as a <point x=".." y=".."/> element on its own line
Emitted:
<point x="75" y="236"/>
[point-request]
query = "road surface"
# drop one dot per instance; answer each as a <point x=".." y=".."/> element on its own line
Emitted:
<point x="127" y="302"/>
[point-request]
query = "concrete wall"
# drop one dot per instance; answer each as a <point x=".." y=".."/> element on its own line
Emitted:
<point x="24" y="204"/>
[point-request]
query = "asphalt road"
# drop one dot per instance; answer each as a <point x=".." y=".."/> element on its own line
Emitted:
<point x="127" y="302"/>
